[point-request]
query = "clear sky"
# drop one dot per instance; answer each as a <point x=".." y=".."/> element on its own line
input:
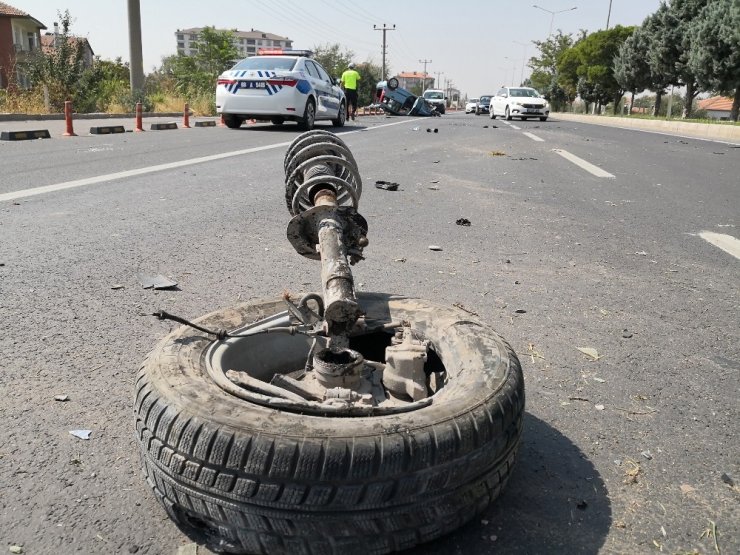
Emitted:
<point x="475" y="43"/>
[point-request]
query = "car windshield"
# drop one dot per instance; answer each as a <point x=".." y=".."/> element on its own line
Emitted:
<point x="267" y="62"/>
<point x="473" y="100"/>
<point x="524" y="92"/>
<point x="433" y="95"/>
<point x="485" y="99"/>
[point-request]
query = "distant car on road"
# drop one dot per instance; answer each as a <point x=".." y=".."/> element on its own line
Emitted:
<point x="436" y="98"/>
<point x="483" y="105"/>
<point x="470" y="105"/>
<point x="280" y="85"/>
<point x="521" y="102"/>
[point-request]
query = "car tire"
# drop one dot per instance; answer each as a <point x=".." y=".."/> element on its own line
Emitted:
<point x="308" y="120"/>
<point x="278" y="121"/>
<point x="507" y="115"/>
<point x="242" y="477"/>
<point x="341" y="116"/>
<point x="392" y="83"/>
<point x="492" y="115"/>
<point x="543" y="119"/>
<point x="232" y="121"/>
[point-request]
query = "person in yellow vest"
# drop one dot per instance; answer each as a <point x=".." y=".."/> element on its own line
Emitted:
<point x="349" y="83"/>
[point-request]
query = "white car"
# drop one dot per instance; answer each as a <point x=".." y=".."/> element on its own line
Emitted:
<point x="521" y="102"/>
<point x="470" y="105"/>
<point x="280" y="85"/>
<point x="436" y="98"/>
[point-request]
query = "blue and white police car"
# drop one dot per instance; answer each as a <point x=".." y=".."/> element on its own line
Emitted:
<point x="280" y="85"/>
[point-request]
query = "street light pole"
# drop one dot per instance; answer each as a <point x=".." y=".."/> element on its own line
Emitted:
<point x="524" y="59"/>
<point x="552" y="14"/>
<point x="609" y="15"/>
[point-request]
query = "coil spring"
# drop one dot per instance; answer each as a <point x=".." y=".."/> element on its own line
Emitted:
<point x="320" y="158"/>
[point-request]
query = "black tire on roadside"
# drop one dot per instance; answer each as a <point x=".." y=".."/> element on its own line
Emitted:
<point x="232" y="121"/>
<point x="308" y="120"/>
<point x="246" y="478"/>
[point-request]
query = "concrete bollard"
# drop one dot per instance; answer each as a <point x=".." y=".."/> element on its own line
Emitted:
<point x="186" y="117"/>
<point x="70" y="132"/>
<point x="138" y="127"/>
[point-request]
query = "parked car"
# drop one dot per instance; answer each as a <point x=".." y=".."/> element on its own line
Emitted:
<point x="521" y="102"/>
<point x="280" y="85"/>
<point x="483" y="105"/>
<point x="470" y="105"/>
<point x="436" y="98"/>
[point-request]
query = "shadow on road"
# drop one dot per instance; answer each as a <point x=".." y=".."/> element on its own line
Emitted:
<point x="555" y="502"/>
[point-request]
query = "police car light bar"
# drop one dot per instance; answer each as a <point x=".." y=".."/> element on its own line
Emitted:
<point x="281" y="52"/>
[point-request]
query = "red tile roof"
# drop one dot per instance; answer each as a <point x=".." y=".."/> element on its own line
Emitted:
<point x="47" y="43"/>
<point x="9" y="11"/>
<point x="720" y="103"/>
<point x="414" y="74"/>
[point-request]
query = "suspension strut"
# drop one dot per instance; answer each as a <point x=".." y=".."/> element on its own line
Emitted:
<point x="322" y="191"/>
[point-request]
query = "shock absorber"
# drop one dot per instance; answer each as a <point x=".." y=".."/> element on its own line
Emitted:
<point x="322" y="191"/>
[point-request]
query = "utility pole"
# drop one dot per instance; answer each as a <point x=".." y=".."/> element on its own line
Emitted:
<point x="524" y="59"/>
<point x="437" y="82"/>
<point x="136" y="69"/>
<point x="384" y="28"/>
<point x="609" y="15"/>
<point x="425" y="62"/>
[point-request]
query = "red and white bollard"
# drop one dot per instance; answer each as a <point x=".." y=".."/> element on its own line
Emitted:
<point x="138" y="118"/>
<point x="186" y="117"/>
<point x="70" y="132"/>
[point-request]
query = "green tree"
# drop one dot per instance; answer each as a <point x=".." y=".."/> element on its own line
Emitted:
<point x="714" y="57"/>
<point x="334" y="59"/>
<point x="631" y="69"/>
<point x="544" y="76"/>
<point x="61" y="69"/>
<point x="369" y="77"/>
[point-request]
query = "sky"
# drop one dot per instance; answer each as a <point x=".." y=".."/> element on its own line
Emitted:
<point x="478" y="45"/>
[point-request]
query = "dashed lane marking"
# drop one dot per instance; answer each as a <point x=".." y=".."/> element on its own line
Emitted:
<point x="727" y="243"/>
<point x="515" y="127"/>
<point x="533" y="137"/>
<point x="580" y="162"/>
<point x="160" y="167"/>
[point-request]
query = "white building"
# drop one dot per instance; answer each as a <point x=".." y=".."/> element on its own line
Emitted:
<point x="246" y="42"/>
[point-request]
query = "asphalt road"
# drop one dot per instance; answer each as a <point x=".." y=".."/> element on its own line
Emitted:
<point x="635" y="452"/>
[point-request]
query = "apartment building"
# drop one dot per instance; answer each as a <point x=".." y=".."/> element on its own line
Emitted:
<point x="246" y="42"/>
<point x="20" y="36"/>
<point x="413" y="80"/>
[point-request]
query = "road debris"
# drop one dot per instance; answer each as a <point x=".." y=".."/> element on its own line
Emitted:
<point x="626" y="334"/>
<point x="463" y="221"/>
<point x="727" y="480"/>
<point x="632" y="471"/>
<point x="590" y="352"/>
<point x="434" y="181"/>
<point x="600" y="380"/>
<point x="647" y="454"/>
<point x="61" y="398"/>
<point x="520" y="311"/>
<point x="386" y="185"/>
<point x="641" y="253"/>
<point x="711" y="533"/>
<point x="461" y="307"/>
<point x="15" y="549"/>
<point x="435" y="248"/>
<point x="599" y="407"/>
<point x="415" y="129"/>
<point x="116" y="286"/>
<point x="497" y="153"/>
<point x="582" y="505"/>
<point x="399" y="260"/>
<point x="81" y="434"/>
<point x="433" y="188"/>
<point x="155" y="282"/>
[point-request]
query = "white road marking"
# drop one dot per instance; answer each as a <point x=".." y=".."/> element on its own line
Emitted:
<point x="515" y="127"/>
<point x="159" y="167"/>
<point x="580" y="162"/>
<point x="727" y="243"/>
<point x="534" y="137"/>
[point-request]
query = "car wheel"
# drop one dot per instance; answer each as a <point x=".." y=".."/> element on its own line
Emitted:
<point x="492" y="115"/>
<point x="543" y="119"/>
<point x="507" y="115"/>
<point x="477" y="112"/>
<point x="341" y="116"/>
<point x="232" y="121"/>
<point x="242" y="476"/>
<point x="392" y="83"/>
<point x="278" y="121"/>
<point x="309" y="116"/>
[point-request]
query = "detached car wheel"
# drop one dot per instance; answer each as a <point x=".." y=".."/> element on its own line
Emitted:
<point x="250" y="478"/>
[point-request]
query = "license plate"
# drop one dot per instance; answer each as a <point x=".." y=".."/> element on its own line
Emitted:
<point x="531" y="111"/>
<point x="253" y="84"/>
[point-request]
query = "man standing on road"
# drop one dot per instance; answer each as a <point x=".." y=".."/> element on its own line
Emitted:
<point x="349" y="84"/>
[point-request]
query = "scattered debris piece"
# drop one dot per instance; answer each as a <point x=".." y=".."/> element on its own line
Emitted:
<point x="484" y="522"/>
<point x="517" y="282"/>
<point x="433" y="188"/>
<point x="188" y="549"/>
<point x="600" y="380"/>
<point x="386" y="185"/>
<point x="497" y="153"/>
<point x="435" y="130"/>
<point x="435" y="162"/>
<point x="156" y="282"/>
<point x="717" y="152"/>
<point x="116" y="286"/>
<point x="462" y="307"/>
<point x="582" y="505"/>
<point x="599" y="407"/>
<point x="534" y="353"/>
<point x="415" y="129"/>
<point x="435" y="248"/>
<point x="711" y="532"/>
<point x="590" y="352"/>
<point x="61" y="398"/>
<point x="434" y="181"/>
<point x="525" y="158"/>
<point x="493" y="538"/>
<point x="520" y="311"/>
<point x="15" y="549"/>
<point x="632" y="472"/>
<point x="626" y="334"/>
<point x="81" y="434"/>
<point x="579" y="399"/>
<point x="463" y="221"/>
<point x="647" y="454"/>
<point x="400" y="260"/>
<point x="641" y="253"/>
<point x="727" y="480"/>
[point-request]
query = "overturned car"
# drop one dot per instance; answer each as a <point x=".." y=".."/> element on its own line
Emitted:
<point x="396" y="101"/>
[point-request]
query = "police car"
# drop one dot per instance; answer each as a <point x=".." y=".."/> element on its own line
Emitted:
<point x="280" y="85"/>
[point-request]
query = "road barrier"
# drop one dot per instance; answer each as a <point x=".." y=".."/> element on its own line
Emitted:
<point x="107" y="129"/>
<point x="138" y="127"/>
<point x="70" y="132"/>
<point x="25" y="135"/>
<point x="186" y="117"/>
<point x="163" y="126"/>
<point x="205" y="123"/>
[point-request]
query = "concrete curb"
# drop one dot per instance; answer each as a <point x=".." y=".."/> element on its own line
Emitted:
<point x="44" y="117"/>
<point x="710" y="131"/>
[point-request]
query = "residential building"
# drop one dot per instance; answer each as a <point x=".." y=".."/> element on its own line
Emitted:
<point x="415" y="81"/>
<point x="247" y="42"/>
<point x="20" y="36"/>
<point x="49" y="42"/>
<point x="717" y="107"/>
